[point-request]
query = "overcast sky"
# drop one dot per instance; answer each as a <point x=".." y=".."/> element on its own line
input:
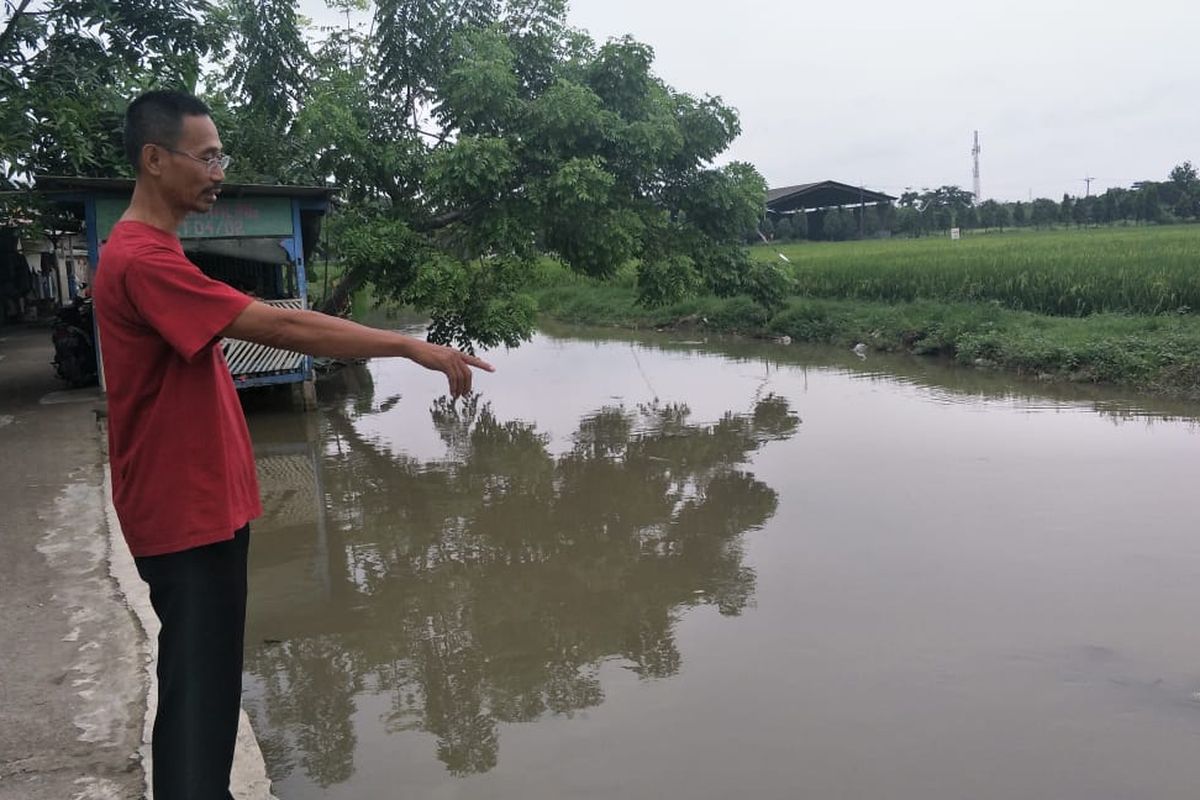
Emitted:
<point x="889" y="92"/>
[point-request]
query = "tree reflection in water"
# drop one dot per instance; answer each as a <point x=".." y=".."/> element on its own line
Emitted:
<point x="490" y="586"/>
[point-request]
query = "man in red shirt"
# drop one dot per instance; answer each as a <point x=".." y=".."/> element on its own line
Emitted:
<point x="184" y="483"/>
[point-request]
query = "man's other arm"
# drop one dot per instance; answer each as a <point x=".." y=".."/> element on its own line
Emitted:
<point x="319" y="334"/>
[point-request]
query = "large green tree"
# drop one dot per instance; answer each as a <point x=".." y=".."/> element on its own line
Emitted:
<point x="470" y="144"/>
<point x="1184" y="183"/>
<point x="67" y="68"/>
<point x="468" y="138"/>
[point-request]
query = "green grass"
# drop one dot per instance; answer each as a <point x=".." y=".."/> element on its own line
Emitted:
<point x="1141" y="270"/>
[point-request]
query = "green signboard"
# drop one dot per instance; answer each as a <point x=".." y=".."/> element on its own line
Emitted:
<point x="230" y="218"/>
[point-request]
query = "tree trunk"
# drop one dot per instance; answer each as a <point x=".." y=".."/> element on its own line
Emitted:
<point x="338" y="301"/>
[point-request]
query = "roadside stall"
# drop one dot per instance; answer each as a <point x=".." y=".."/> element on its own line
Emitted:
<point x="256" y="238"/>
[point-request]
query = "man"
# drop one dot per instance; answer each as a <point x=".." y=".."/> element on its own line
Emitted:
<point x="184" y="483"/>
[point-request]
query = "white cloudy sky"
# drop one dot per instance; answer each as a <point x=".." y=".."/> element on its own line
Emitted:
<point x="888" y="92"/>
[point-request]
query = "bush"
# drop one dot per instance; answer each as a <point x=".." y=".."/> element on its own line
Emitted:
<point x="661" y="283"/>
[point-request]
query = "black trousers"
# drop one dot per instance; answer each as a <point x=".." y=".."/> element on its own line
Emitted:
<point x="199" y="596"/>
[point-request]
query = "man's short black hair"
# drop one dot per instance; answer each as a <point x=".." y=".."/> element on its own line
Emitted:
<point x="157" y="118"/>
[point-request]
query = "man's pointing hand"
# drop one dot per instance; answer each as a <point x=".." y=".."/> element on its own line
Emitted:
<point x="454" y="363"/>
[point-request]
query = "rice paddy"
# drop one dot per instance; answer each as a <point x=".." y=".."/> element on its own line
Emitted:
<point x="1138" y="270"/>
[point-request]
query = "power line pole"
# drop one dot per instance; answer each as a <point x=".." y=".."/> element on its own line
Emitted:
<point x="1088" y="183"/>
<point x="975" y="151"/>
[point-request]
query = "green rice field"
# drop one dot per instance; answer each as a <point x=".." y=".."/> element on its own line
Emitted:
<point x="1139" y="270"/>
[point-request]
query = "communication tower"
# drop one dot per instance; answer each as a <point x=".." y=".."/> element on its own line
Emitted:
<point x="975" y="172"/>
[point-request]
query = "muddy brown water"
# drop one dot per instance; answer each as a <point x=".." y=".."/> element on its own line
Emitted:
<point x="659" y="567"/>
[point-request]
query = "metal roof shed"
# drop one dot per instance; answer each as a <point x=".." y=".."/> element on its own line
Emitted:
<point x="822" y="194"/>
<point x="256" y="238"/>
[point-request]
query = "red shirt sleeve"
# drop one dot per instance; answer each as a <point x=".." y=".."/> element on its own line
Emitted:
<point x="185" y="306"/>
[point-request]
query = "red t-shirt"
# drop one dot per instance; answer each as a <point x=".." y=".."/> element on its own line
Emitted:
<point x="182" y="465"/>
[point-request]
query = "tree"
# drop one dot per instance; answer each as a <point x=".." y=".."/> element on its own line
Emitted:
<point x="68" y="67"/>
<point x="909" y="221"/>
<point x="1066" y="209"/>
<point x="1184" y="175"/>
<point x="1081" y="214"/>
<point x="466" y="145"/>
<point x="1186" y="182"/>
<point x="783" y="229"/>
<point x="516" y="136"/>
<point x="1149" y="208"/>
<point x="968" y="218"/>
<point x="1109" y="207"/>
<point x="885" y="214"/>
<point x="942" y="208"/>
<point x="800" y="225"/>
<point x="768" y="227"/>
<point x="1043" y="212"/>
<point x="837" y="225"/>
<point x="1129" y="203"/>
<point x="1019" y="217"/>
<point x="993" y="214"/>
<point x="266" y="68"/>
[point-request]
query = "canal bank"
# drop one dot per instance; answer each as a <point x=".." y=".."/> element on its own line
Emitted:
<point x="1150" y="354"/>
<point x="78" y="633"/>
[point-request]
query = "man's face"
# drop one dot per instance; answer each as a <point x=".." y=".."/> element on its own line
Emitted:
<point x="186" y="177"/>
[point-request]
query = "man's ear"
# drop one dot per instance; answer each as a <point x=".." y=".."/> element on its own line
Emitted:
<point x="152" y="157"/>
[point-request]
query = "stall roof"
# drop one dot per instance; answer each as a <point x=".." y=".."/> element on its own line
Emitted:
<point x="60" y="183"/>
<point x="822" y="194"/>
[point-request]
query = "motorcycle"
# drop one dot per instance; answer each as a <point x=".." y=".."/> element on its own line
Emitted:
<point x="74" y="342"/>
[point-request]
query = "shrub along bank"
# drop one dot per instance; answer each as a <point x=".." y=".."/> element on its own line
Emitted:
<point x="1116" y="306"/>
<point x="1157" y="354"/>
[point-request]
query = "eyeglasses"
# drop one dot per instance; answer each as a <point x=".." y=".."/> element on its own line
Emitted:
<point x="222" y="161"/>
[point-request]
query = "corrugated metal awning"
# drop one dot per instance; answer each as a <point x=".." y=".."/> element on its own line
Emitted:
<point x="75" y="183"/>
<point x="250" y="360"/>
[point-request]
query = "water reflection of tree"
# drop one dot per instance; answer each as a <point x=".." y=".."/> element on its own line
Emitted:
<point x="489" y="587"/>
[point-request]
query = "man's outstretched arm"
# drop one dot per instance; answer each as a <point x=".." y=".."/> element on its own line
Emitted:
<point x="319" y="334"/>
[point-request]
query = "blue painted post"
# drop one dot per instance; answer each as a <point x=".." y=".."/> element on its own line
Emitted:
<point x="297" y="255"/>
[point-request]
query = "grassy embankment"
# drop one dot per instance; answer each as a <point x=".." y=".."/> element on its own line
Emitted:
<point x="1119" y="306"/>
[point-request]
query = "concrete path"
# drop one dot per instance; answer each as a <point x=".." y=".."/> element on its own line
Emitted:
<point x="76" y="633"/>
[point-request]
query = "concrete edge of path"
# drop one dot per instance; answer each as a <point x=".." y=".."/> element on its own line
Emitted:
<point x="249" y="779"/>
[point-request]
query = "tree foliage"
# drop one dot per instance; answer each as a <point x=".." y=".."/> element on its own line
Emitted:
<point x="469" y="144"/>
<point x="68" y="67"/>
<point x="468" y="139"/>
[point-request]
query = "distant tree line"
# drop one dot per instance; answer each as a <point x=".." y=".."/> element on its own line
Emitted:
<point x="1176" y="199"/>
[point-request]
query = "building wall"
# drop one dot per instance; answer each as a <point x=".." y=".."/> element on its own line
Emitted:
<point x="36" y="278"/>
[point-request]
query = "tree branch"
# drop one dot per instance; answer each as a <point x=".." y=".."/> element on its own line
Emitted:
<point x="529" y="17"/>
<point x="442" y="220"/>
<point x="11" y="26"/>
<point x="339" y="299"/>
